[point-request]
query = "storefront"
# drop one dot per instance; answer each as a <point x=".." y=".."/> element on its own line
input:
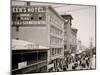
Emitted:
<point x="28" y="60"/>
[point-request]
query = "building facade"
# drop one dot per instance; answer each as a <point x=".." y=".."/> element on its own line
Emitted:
<point x="79" y="46"/>
<point x="67" y="33"/>
<point x="70" y="38"/>
<point x="73" y="40"/>
<point x="42" y="25"/>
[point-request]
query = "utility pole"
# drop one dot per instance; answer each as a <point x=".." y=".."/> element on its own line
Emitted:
<point x="91" y="43"/>
<point x="91" y="46"/>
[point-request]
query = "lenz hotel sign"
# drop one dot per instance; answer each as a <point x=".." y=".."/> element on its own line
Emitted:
<point x="28" y="15"/>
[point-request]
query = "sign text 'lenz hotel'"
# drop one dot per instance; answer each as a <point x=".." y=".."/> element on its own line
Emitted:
<point x="28" y="15"/>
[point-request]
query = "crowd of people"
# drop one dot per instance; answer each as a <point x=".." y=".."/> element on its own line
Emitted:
<point x="82" y="61"/>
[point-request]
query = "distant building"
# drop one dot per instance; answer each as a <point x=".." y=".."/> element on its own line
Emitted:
<point x="73" y="45"/>
<point x="42" y="25"/>
<point x="84" y="48"/>
<point x="28" y="57"/>
<point x="67" y="33"/>
<point x="79" y="46"/>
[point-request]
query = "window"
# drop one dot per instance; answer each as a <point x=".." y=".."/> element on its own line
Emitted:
<point x="65" y="47"/>
<point x="50" y="18"/>
<point x="52" y="51"/>
<point x="17" y="28"/>
<point x="28" y="3"/>
<point x="32" y="18"/>
<point x="58" y="51"/>
<point x="40" y="17"/>
<point x="55" y="50"/>
<point x="17" y="38"/>
<point x="18" y="18"/>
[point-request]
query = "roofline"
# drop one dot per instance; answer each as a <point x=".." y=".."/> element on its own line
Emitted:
<point x="74" y="28"/>
<point x="57" y="14"/>
<point x="49" y="6"/>
<point x="67" y="15"/>
<point x="28" y="6"/>
<point x="30" y="49"/>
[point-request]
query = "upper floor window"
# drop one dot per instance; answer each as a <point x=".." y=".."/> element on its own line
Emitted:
<point x="52" y="51"/>
<point x="65" y="46"/>
<point x="17" y="28"/>
<point x="32" y="18"/>
<point x="40" y="17"/>
<point x="18" y="18"/>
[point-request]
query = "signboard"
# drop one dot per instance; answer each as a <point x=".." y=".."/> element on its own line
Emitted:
<point x="22" y="65"/>
<point x="50" y="65"/>
<point x="28" y="15"/>
<point x="28" y="9"/>
<point x="32" y="46"/>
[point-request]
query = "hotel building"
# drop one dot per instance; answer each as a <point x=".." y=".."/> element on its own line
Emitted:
<point x="42" y="25"/>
